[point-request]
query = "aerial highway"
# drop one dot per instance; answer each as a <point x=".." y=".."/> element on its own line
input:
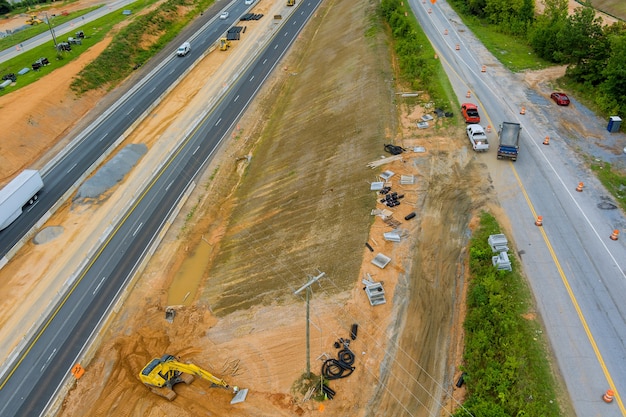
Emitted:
<point x="34" y="378"/>
<point x="576" y="272"/>
<point x="71" y="165"/>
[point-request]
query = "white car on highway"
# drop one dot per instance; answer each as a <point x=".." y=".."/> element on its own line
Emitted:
<point x="224" y="15"/>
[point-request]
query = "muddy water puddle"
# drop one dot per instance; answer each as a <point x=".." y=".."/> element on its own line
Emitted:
<point x="185" y="285"/>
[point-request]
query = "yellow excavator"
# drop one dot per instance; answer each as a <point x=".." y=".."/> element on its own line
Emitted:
<point x="33" y="20"/>
<point x="161" y="374"/>
<point x="224" y="44"/>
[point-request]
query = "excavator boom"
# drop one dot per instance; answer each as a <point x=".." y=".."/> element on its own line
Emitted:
<point x="161" y="374"/>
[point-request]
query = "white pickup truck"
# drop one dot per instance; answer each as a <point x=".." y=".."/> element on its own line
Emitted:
<point x="477" y="137"/>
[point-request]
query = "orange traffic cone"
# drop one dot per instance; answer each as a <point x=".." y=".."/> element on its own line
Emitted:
<point x="614" y="235"/>
<point x="522" y="111"/>
<point x="445" y="32"/>
<point x="546" y="141"/>
<point x="539" y="221"/>
<point x="580" y="187"/>
<point x="488" y="128"/>
<point x="457" y="47"/>
<point x="484" y="68"/>
<point x="608" y="396"/>
<point x="430" y="11"/>
<point x="469" y="94"/>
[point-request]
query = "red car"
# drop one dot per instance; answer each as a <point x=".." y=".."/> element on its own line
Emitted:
<point x="470" y="113"/>
<point x="560" y="99"/>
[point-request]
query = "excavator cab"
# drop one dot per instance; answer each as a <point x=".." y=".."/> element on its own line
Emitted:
<point x="224" y="44"/>
<point x="161" y="374"/>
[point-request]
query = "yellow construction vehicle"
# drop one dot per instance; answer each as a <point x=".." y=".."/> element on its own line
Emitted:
<point x="161" y="374"/>
<point x="291" y="2"/>
<point x="224" y="44"/>
<point x="33" y="20"/>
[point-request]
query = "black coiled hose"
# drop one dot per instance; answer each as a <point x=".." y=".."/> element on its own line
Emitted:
<point x="339" y="368"/>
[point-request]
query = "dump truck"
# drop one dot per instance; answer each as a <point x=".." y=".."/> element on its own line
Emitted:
<point x="21" y="191"/>
<point x="508" y="136"/>
<point x="161" y="374"/>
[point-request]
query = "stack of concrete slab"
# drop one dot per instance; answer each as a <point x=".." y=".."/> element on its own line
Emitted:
<point x="375" y="292"/>
<point x="502" y="262"/>
<point x="381" y="260"/>
<point x="498" y="243"/>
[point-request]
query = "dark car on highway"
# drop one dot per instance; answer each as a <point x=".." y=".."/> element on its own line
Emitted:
<point x="560" y="99"/>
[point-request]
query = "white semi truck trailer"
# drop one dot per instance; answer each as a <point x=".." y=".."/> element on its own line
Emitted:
<point x="21" y="191"/>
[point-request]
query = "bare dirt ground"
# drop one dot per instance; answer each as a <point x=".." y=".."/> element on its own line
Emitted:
<point x="231" y="270"/>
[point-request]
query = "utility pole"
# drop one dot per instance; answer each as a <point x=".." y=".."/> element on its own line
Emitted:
<point x="307" y="286"/>
<point x="54" y="39"/>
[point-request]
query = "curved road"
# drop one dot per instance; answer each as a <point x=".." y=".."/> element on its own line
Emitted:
<point x="577" y="274"/>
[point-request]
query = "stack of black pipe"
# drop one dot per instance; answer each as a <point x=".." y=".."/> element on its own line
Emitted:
<point x="392" y="199"/>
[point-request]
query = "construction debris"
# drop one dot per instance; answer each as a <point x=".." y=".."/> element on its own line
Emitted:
<point x="170" y="313"/>
<point x="377" y="186"/>
<point x="374" y="291"/>
<point x="498" y="243"/>
<point x="393" y="236"/>
<point x="381" y="260"/>
<point x="391" y="222"/>
<point x="394" y="149"/>
<point x="383" y="161"/>
<point x="407" y="179"/>
<point x="502" y="262"/>
<point x="385" y="175"/>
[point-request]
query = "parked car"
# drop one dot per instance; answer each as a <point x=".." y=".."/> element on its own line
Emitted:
<point x="560" y="99"/>
<point x="224" y="15"/>
<point x="477" y="137"/>
<point x="470" y="113"/>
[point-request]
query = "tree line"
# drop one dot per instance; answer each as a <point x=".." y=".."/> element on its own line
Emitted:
<point x="595" y="55"/>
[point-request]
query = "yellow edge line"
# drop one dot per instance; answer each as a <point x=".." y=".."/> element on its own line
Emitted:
<point x="97" y="255"/>
<point x="571" y="296"/>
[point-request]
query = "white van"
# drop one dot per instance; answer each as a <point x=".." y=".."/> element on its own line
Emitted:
<point x="183" y="49"/>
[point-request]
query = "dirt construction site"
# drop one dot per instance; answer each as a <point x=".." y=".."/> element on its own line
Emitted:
<point x="291" y="194"/>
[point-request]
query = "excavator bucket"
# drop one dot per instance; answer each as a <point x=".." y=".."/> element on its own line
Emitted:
<point x="240" y="396"/>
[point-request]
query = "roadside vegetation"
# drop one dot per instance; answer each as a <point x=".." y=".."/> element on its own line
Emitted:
<point x="595" y="55"/>
<point x="613" y="181"/>
<point x="94" y="31"/>
<point x="416" y="60"/>
<point x="132" y="46"/>
<point x="17" y="37"/>
<point x="136" y="43"/>
<point x="506" y="364"/>
<point x="505" y="357"/>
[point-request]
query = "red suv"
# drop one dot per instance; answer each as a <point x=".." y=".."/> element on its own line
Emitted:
<point x="470" y="113"/>
<point x="560" y="99"/>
